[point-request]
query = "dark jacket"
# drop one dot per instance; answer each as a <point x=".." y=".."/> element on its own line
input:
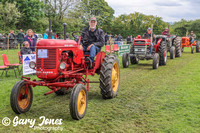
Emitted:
<point x="148" y="36"/>
<point x="11" y="36"/>
<point x="32" y="42"/>
<point x="119" y="38"/>
<point x="25" y="50"/>
<point x="88" y="40"/>
<point x="20" y="37"/>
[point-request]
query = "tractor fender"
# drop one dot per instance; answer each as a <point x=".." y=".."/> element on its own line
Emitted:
<point x="99" y="60"/>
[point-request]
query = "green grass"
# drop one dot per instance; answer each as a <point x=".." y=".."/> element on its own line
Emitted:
<point x="162" y="100"/>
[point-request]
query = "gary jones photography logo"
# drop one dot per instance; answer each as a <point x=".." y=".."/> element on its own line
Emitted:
<point x="43" y="123"/>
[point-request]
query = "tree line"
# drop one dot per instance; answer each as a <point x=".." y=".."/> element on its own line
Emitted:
<point x="35" y="14"/>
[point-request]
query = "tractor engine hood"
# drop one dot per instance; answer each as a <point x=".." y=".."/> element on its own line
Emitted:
<point x="51" y="43"/>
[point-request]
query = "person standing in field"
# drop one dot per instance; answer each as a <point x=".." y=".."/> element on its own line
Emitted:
<point x="20" y="37"/>
<point x="32" y="40"/>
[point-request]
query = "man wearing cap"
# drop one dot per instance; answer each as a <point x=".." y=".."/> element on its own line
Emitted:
<point x="192" y="37"/>
<point x="166" y="32"/>
<point x="92" y="40"/>
<point x="147" y="35"/>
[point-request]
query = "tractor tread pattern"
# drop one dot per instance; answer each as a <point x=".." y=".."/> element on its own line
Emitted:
<point x="106" y="77"/>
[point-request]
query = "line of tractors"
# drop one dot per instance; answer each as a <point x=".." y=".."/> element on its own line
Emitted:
<point x="62" y="67"/>
<point x="140" y="49"/>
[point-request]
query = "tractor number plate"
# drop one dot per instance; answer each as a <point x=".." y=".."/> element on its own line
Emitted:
<point x="42" y="53"/>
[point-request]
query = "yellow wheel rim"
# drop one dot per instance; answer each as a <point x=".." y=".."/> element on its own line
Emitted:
<point x="81" y="102"/>
<point x="115" y="76"/>
<point x="24" y="101"/>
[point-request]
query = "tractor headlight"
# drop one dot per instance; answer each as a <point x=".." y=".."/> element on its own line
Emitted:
<point x="32" y="65"/>
<point x="62" y="65"/>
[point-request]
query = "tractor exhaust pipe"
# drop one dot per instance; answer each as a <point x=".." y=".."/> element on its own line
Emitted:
<point x="64" y="24"/>
<point x="50" y="33"/>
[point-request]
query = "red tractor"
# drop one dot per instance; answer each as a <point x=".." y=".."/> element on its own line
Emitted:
<point x="62" y="66"/>
<point x="140" y="50"/>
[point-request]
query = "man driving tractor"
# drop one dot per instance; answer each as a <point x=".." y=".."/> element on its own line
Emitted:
<point x="93" y="40"/>
<point x="192" y="37"/>
<point x="147" y="35"/>
<point x="166" y="32"/>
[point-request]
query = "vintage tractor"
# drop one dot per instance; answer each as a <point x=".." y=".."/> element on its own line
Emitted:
<point x="173" y="45"/>
<point x="140" y="50"/>
<point x="186" y="43"/>
<point x="62" y="66"/>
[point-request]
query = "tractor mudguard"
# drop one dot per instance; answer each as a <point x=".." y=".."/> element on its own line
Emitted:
<point x="99" y="60"/>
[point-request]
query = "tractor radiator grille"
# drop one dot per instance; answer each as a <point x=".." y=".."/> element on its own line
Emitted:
<point x="139" y="42"/>
<point x="48" y="63"/>
<point x="140" y="50"/>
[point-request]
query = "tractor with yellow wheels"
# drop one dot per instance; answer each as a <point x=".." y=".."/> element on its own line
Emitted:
<point x="62" y="66"/>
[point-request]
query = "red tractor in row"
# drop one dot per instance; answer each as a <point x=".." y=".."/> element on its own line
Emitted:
<point x="140" y="50"/>
<point x="62" y="66"/>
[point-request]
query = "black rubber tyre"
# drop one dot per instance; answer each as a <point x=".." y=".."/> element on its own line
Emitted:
<point x="197" y="47"/>
<point x="162" y="54"/>
<point x="177" y="44"/>
<point x="192" y="50"/>
<point x="19" y="101"/>
<point x="132" y="51"/>
<point x="155" y="61"/>
<point x="172" y="52"/>
<point x="134" y="60"/>
<point x="125" y="60"/>
<point x="182" y="49"/>
<point x="78" y="102"/>
<point x="109" y="77"/>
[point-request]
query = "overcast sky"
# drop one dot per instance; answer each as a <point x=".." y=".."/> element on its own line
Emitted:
<point x="169" y="10"/>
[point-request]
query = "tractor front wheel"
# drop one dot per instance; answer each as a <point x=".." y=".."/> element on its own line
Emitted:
<point x="162" y="54"/>
<point x="78" y="102"/>
<point x="192" y="50"/>
<point x="21" y="97"/>
<point x="172" y="52"/>
<point x="125" y="60"/>
<point x="197" y="47"/>
<point x="109" y="77"/>
<point x="134" y="60"/>
<point x="155" y="61"/>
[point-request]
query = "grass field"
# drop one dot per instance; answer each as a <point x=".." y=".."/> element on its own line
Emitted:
<point x="162" y="100"/>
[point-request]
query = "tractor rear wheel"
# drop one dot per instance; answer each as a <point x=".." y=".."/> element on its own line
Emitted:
<point x="134" y="60"/>
<point x="78" y="102"/>
<point x="172" y="52"/>
<point x="197" y="47"/>
<point x="192" y="50"/>
<point x="21" y="97"/>
<point x="125" y="60"/>
<point x="177" y="45"/>
<point x="155" y="61"/>
<point x="109" y="77"/>
<point x="162" y="54"/>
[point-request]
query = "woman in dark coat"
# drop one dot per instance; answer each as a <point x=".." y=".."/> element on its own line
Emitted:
<point x="32" y="40"/>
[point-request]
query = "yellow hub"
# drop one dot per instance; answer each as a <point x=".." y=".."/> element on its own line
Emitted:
<point x="24" y="100"/>
<point x="81" y="103"/>
<point x="115" y="76"/>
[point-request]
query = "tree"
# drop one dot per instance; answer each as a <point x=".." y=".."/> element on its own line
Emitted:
<point x="9" y="15"/>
